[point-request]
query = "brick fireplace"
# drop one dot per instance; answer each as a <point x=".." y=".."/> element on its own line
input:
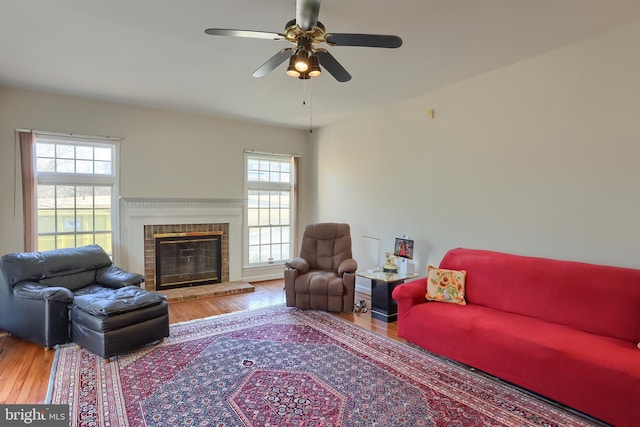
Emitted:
<point x="154" y="232"/>
<point x="143" y="217"/>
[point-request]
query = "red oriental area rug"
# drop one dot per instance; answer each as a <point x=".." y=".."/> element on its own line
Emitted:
<point x="285" y="367"/>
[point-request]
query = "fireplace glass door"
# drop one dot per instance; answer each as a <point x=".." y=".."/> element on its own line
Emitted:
<point x="188" y="259"/>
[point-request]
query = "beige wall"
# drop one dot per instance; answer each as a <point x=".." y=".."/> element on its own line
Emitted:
<point x="163" y="155"/>
<point x="538" y="158"/>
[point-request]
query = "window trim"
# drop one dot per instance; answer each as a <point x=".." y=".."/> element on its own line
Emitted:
<point x="59" y="178"/>
<point x="269" y="186"/>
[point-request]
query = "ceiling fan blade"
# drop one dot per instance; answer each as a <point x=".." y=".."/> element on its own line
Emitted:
<point x="365" y="40"/>
<point x="244" y="33"/>
<point x="272" y="63"/>
<point x="307" y="14"/>
<point x="332" y="65"/>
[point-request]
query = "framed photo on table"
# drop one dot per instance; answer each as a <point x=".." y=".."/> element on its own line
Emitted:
<point x="403" y="248"/>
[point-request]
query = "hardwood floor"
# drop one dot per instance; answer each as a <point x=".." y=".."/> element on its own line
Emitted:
<point x="25" y="368"/>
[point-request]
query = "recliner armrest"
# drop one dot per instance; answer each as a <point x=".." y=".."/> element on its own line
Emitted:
<point x="347" y="266"/>
<point x="115" y="277"/>
<point x="37" y="291"/>
<point x="300" y="264"/>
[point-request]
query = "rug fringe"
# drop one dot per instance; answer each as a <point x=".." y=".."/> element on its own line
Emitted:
<point x="52" y="375"/>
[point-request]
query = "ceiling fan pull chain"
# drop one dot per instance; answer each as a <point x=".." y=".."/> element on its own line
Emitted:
<point x="304" y="93"/>
<point x="310" y="107"/>
<point x="304" y="101"/>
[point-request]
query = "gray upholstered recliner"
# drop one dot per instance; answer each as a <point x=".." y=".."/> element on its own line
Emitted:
<point x="39" y="290"/>
<point x="323" y="276"/>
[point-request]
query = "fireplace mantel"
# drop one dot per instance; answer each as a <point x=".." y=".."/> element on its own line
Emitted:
<point x="138" y="212"/>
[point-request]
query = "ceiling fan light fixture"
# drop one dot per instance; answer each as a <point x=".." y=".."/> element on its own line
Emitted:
<point x="291" y="69"/>
<point x="302" y="60"/>
<point x="305" y="32"/>
<point x="314" y="66"/>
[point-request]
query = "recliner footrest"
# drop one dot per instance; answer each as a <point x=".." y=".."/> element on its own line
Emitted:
<point x="99" y="300"/>
<point x="109" y="321"/>
<point x="101" y="323"/>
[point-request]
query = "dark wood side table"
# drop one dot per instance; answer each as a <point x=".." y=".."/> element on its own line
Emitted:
<point x="383" y="307"/>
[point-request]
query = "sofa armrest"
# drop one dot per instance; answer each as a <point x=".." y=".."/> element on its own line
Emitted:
<point x="37" y="291"/>
<point x="347" y="266"/>
<point x="410" y="293"/>
<point x="115" y="277"/>
<point x="300" y="264"/>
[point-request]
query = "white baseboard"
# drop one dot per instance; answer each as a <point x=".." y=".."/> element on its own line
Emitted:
<point x="263" y="272"/>
<point x="363" y="289"/>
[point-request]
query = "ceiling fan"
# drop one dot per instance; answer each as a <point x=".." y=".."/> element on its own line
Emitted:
<point x="306" y="32"/>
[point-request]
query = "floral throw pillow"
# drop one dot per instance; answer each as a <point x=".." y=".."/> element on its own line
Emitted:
<point x="445" y="285"/>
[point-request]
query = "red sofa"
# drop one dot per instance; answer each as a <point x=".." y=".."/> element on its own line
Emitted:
<point x="566" y="330"/>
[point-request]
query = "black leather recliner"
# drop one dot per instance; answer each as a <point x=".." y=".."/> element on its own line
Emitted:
<point x="37" y="292"/>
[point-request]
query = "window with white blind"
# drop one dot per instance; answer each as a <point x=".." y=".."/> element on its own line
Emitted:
<point x="76" y="191"/>
<point x="270" y="210"/>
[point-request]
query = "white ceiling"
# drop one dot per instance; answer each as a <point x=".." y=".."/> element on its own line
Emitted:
<point x="155" y="53"/>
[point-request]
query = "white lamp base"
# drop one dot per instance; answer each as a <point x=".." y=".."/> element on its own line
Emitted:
<point x="405" y="266"/>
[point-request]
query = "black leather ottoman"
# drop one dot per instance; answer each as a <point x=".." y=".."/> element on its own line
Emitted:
<point x="109" y="321"/>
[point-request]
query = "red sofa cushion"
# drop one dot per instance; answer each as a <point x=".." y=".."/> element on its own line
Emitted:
<point x="600" y="299"/>
<point x="583" y="370"/>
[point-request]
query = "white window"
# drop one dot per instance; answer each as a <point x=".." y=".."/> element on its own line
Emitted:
<point x="269" y="208"/>
<point x="76" y="192"/>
